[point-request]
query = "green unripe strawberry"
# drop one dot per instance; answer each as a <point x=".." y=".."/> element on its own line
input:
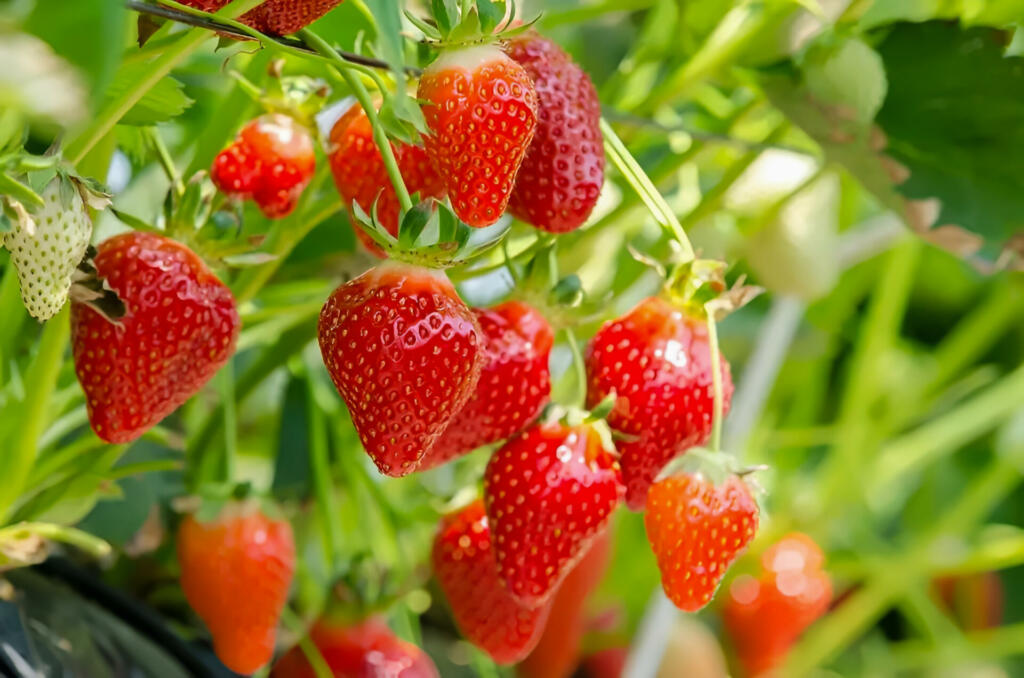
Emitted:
<point x="46" y="249"/>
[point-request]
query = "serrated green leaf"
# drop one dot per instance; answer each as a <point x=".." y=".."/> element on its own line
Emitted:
<point x="164" y="101"/>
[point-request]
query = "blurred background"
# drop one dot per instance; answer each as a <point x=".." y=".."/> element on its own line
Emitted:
<point x="862" y="161"/>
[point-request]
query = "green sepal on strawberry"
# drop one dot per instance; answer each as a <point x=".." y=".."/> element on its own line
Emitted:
<point x="550" y="492"/>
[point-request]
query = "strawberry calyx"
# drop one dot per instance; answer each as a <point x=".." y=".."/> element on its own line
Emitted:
<point x="431" y="236"/>
<point x="560" y="299"/>
<point x="220" y="501"/>
<point x="459" y="24"/>
<point x="714" y="466"/>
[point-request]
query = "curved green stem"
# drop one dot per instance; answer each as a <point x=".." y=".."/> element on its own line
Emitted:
<point x="716" y="383"/>
<point x="579" y="366"/>
<point x="363" y="96"/>
<point x="313" y="655"/>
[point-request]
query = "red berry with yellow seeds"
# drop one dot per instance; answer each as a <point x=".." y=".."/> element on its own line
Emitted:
<point x="696" y="531"/>
<point x="179" y="328"/>
<point x="275" y="17"/>
<point x="561" y="177"/>
<point x="481" y="109"/>
<point x="405" y="354"/>
<point x="765" y="615"/>
<point x="362" y="179"/>
<point x="463" y="560"/>
<point x="235" y="573"/>
<point x="368" y="649"/>
<point x="514" y="385"/>
<point x="656" y="359"/>
<point x="270" y="162"/>
<point x="549" y="493"/>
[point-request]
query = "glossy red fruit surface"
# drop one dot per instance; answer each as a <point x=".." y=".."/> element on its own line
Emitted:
<point x="179" y="328"/>
<point x="481" y="109"/>
<point x="549" y="493"/>
<point x="561" y="177"/>
<point x="696" y="531"/>
<point x="765" y="615"/>
<point x="405" y="354"/>
<point x="270" y="162"/>
<point x="657" y="361"/>
<point x="486" y="614"/>
<point x="368" y="649"/>
<point x="276" y="17"/>
<point x="514" y="385"/>
<point x="235" y="573"/>
<point x="362" y="179"/>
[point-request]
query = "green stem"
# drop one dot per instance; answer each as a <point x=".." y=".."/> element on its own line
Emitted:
<point x="34" y="411"/>
<point x="716" y="383"/>
<point x="313" y="655"/>
<point x="142" y="467"/>
<point x="641" y="183"/>
<point x="320" y="467"/>
<point x="363" y="96"/>
<point x="166" y="162"/>
<point x="227" y="394"/>
<point x="116" y="109"/>
<point x="579" y="366"/>
<point x="94" y="546"/>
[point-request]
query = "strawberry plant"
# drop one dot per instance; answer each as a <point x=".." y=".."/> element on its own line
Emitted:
<point x="475" y="338"/>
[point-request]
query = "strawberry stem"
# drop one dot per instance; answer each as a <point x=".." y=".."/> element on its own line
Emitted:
<point x="716" y="383"/>
<point x="320" y="467"/>
<point x="579" y="366"/>
<point x="227" y="392"/>
<point x="166" y="162"/>
<point x="316" y="660"/>
<point x="380" y="137"/>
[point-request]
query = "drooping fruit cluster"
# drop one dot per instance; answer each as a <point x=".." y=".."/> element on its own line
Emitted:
<point x="46" y="253"/>
<point x="275" y="17"/>
<point x="270" y="162"/>
<point x="696" y="531"/>
<point x="514" y="384"/>
<point x="656" y="360"/>
<point x="179" y="328"/>
<point x="561" y="177"/>
<point x="464" y="564"/>
<point x="368" y="649"/>
<point x="405" y="354"/>
<point x="361" y="177"/>
<point x="764" y="615"/>
<point x="235" y="573"/>
<point x="549" y="493"/>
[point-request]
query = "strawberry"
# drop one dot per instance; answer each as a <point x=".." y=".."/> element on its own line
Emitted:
<point x="549" y="493"/>
<point x="368" y="649"/>
<point x="657" y="361"/>
<point x="405" y="354"/>
<point x="361" y="178"/>
<point x="235" y="573"/>
<point x="468" y="574"/>
<point x="696" y="530"/>
<point x="558" y="651"/>
<point x="270" y="162"/>
<point x="179" y="328"/>
<point x="561" y="177"/>
<point x="481" y="109"/>
<point x="765" y="615"/>
<point x="275" y="17"/>
<point x="514" y="385"/>
<point x="46" y="256"/>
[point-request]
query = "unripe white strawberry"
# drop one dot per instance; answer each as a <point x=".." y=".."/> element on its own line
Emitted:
<point x="46" y="250"/>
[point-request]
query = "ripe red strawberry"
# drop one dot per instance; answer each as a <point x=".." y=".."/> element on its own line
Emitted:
<point x="361" y="178"/>
<point x="271" y="161"/>
<point x="481" y="109"/>
<point x="235" y="573"/>
<point x="468" y="574"/>
<point x="405" y="354"/>
<point x="365" y="650"/>
<point x="558" y="651"/>
<point x="179" y="328"/>
<point x="657" y="360"/>
<point x="549" y="493"/>
<point x="275" y="17"/>
<point x="515" y="382"/>
<point x="765" y="616"/>
<point x="696" y="530"/>
<point x="561" y="178"/>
